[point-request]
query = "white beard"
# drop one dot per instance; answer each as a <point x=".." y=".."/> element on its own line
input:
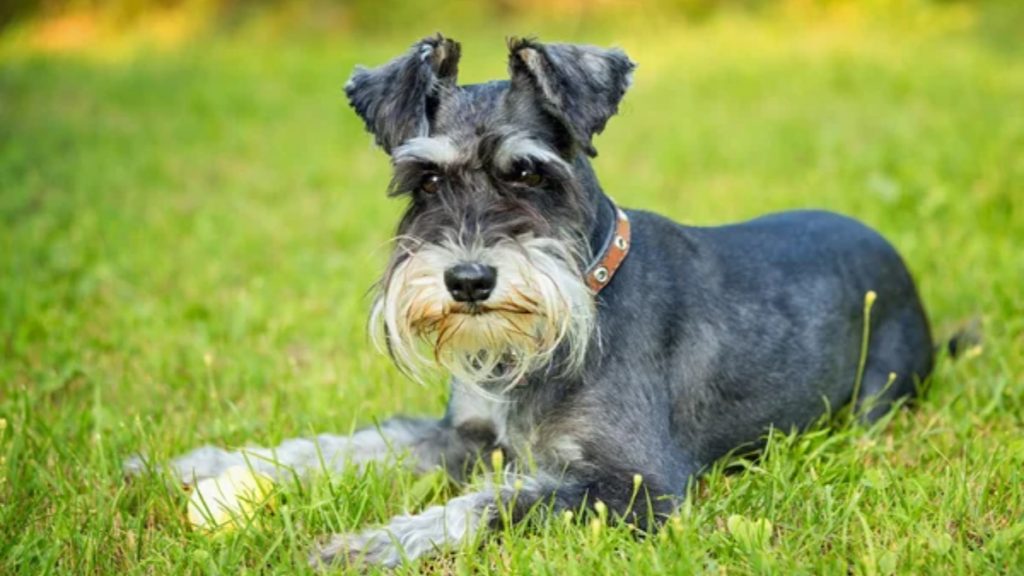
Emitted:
<point x="539" y="302"/>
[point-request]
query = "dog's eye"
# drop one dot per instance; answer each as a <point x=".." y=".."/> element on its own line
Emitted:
<point x="528" y="177"/>
<point x="431" y="183"/>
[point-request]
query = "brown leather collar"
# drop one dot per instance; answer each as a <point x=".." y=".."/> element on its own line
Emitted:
<point x="606" y="262"/>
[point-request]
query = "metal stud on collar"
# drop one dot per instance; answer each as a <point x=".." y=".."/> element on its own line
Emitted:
<point x="606" y="262"/>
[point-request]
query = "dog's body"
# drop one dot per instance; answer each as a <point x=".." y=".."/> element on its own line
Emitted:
<point x="702" y="340"/>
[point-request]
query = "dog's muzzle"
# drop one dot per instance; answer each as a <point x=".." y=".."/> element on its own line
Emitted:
<point x="490" y="315"/>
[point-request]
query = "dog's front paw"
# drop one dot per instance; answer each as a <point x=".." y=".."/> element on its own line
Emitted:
<point x="135" y="465"/>
<point x="199" y="464"/>
<point x="370" y="548"/>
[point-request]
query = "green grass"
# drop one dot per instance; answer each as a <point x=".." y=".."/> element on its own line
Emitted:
<point x="188" y="237"/>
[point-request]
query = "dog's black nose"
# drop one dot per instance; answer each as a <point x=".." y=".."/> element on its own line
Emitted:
<point x="470" y="281"/>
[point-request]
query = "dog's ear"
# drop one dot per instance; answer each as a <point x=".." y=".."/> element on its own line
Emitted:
<point x="396" y="99"/>
<point x="579" y="85"/>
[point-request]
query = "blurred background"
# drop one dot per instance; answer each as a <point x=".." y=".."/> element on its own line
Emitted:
<point x="73" y="25"/>
<point x="183" y="179"/>
<point x="191" y="220"/>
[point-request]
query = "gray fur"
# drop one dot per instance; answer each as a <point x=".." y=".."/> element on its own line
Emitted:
<point x="703" y="340"/>
<point x="579" y="85"/>
<point x="437" y="528"/>
<point x="393" y="100"/>
<point x="395" y="440"/>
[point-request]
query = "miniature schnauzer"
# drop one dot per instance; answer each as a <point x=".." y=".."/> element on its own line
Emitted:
<point x="612" y="353"/>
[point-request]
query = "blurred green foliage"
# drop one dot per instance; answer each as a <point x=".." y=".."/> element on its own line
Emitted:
<point x="377" y="14"/>
<point x="191" y="217"/>
<point x="998" y="23"/>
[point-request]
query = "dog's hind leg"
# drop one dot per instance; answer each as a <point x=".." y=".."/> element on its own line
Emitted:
<point x="419" y="443"/>
<point x="899" y="358"/>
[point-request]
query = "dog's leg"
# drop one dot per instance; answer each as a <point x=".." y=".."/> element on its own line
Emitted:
<point x="463" y="519"/>
<point x="414" y="536"/>
<point x="901" y="349"/>
<point x="880" y="391"/>
<point x="422" y="444"/>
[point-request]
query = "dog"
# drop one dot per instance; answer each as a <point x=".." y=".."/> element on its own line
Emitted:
<point x="614" y="354"/>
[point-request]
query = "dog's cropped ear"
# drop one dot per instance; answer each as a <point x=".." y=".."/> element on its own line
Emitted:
<point x="580" y="85"/>
<point x="396" y="99"/>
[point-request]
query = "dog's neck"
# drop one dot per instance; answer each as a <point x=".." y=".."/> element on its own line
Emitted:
<point x="604" y="222"/>
<point x="602" y="212"/>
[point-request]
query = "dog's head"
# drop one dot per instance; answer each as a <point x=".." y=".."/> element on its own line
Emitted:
<point x="487" y="267"/>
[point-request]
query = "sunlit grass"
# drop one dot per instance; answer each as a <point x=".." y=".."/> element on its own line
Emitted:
<point x="188" y="236"/>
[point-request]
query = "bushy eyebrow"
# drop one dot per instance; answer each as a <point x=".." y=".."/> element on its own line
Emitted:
<point x="520" y="146"/>
<point x="435" y="150"/>
<point x="501" y="152"/>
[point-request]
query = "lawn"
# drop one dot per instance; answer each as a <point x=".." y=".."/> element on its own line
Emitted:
<point x="190" y="230"/>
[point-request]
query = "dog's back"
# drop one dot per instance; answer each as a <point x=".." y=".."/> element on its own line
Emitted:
<point x="763" y="322"/>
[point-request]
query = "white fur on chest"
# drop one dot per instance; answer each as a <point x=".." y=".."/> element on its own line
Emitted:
<point x="515" y="427"/>
<point x="468" y="405"/>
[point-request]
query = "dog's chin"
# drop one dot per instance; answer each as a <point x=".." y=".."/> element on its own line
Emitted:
<point x="480" y="345"/>
<point x="490" y="347"/>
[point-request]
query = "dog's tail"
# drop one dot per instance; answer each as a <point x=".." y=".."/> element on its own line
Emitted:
<point x="965" y="341"/>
